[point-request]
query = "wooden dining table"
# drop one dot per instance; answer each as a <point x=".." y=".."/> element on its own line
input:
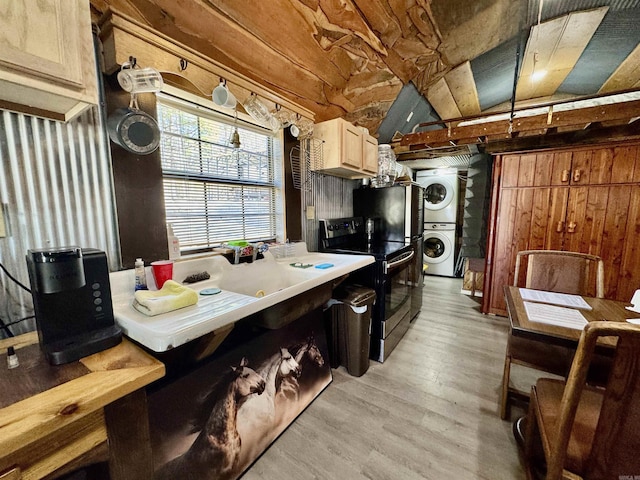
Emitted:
<point x="601" y="309"/>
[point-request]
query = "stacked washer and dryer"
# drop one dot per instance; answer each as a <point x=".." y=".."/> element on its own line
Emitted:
<point x="441" y="189"/>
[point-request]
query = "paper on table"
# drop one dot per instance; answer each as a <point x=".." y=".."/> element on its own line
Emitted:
<point x="553" y="315"/>
<point x="563" y="299"/>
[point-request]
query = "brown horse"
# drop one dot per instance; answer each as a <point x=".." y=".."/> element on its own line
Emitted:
<point x="214" y="454"/>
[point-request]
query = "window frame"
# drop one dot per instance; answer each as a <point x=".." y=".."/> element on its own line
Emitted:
<point x="199" y="106"/>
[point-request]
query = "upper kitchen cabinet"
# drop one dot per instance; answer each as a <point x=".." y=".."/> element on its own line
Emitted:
<point x="348" y="151"/>
<point x="582" y="167"/>
<point x="47" y="63"/>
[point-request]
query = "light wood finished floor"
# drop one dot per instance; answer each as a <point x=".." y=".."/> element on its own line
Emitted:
<point x="429" y="412"/>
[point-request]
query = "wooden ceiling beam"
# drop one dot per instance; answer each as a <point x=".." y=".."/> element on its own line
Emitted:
<point x="579" y="137"/>
<point x="570" y="118"/>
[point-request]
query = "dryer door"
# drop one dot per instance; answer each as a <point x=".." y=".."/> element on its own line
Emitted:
<point x="438" y="193"/>
<point x="437" y="247"/>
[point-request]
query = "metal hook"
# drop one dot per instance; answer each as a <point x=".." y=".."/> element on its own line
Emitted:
<point x="183" y="64"/>
<point x="223" y="81"/>
<point x="133" y="61"/>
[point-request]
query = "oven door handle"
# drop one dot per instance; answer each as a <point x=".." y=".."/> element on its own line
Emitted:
<point x="405" y="258"/>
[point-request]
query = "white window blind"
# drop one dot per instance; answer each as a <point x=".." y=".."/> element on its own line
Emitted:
<point x="214" y="192"/>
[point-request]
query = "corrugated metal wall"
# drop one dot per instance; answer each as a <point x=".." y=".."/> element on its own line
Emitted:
<point x="332" y="197"/>
<point x="56" y="189"/>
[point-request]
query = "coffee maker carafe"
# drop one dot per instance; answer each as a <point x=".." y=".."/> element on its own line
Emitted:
<point x="72" y="302"/>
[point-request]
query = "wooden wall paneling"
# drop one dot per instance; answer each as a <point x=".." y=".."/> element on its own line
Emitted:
<point x="544" y="170"/>
<point x="527" y="170"/>
<point x="589" y="217"/>
<point x="614" y="235"/>
<point x="514" y="217"/>
<point x="522" y="228"/>
<point x="601" y="164"/>
<point x="561" y="163"/>
<point x="510" y="168"/>
<point x="488" y="290"/>
<point x="629" y="273"/>
<point x="557" y="218"/>
<point x="541" y="223"/>
<point x="636" y="169"/>
<point x="506" y="214"/>
<point x="576" y="223"/>
<point x="581" y="167"/>
<point x="625" y="164"/>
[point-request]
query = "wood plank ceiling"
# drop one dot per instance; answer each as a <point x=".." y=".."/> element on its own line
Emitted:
<point x="351" y="58"/>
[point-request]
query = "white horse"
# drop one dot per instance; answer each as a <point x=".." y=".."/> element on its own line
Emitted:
<point x="308" y="352"/>
<point x="256" y="416"/>
<point x="214" y="455"/>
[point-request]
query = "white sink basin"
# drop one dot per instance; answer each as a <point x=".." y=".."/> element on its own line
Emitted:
<point x="246" y="289"/>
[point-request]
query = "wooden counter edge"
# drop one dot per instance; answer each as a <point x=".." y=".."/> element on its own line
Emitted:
<point x="116" y="372"/>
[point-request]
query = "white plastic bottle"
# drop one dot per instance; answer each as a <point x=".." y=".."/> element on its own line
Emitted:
<point x="174" y="243"/>
<point x="141" y="276"/>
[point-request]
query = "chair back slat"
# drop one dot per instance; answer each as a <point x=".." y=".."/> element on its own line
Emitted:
<point x="615" y="452"/>
<point x="561" y="272"/>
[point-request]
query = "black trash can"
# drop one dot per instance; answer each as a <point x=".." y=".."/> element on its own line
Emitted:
<point x="351" y="328"/>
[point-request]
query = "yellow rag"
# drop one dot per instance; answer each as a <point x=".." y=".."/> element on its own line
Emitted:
<point x="171" y="296"/>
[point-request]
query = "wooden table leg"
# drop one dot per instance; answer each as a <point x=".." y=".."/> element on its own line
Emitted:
<point x="127" y="422"/>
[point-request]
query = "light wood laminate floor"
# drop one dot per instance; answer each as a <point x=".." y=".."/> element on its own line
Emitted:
<point x="429" y="412"/>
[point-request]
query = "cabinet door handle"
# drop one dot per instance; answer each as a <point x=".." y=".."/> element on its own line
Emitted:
<point x="571" y="227"/>
<point x="577" y="173"/>
<point x="565" y="175"/>
<point x="560" y="226"/>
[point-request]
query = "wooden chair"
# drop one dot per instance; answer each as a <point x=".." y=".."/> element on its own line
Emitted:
<point x="554" y="271"/>
<point x="585" y="432"/>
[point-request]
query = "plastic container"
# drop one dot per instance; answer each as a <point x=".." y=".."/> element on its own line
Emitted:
<point x="174" y="243"/>
<point x="141" y="276"/>
<point x="351" y="328"/>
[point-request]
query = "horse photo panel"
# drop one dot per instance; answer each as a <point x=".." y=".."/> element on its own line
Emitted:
<point x="214" y="422"/>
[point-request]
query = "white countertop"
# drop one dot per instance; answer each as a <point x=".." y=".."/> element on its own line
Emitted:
<point x="276" y="279"/>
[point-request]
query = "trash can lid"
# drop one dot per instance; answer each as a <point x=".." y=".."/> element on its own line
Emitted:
<point x="355" y="295"/>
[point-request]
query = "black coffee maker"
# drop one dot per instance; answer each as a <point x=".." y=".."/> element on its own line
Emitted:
<point x="72" y="302"/>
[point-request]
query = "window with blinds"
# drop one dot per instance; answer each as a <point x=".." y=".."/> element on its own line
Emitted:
<point x="213" y="191"/>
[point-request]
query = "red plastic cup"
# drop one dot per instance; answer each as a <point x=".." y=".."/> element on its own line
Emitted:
<point x="162" y="271"/>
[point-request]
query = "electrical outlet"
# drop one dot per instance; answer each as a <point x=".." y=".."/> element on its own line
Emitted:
<point x="311" y="212"/>
<point x="3" y="227"/>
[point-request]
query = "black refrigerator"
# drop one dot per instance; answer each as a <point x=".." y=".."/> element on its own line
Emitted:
<point x="398" y="216"/>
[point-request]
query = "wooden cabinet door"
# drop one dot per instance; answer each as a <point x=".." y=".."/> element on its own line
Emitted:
<point x="370" y="154"/>
<point x="604" y="166"/>
<point x="351" y="146"/>
<point x="523" y="222"/>
<point x="586" y="213"/>
<point x="615" y="236"/>
<point x="629" y="272"/>
<point x="39" y="37"/>
<point x="47" y="64"/>
<point x="536" y="170"/>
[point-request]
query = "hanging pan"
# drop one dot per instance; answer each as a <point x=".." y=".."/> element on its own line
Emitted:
<point x="134" y="130"/>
